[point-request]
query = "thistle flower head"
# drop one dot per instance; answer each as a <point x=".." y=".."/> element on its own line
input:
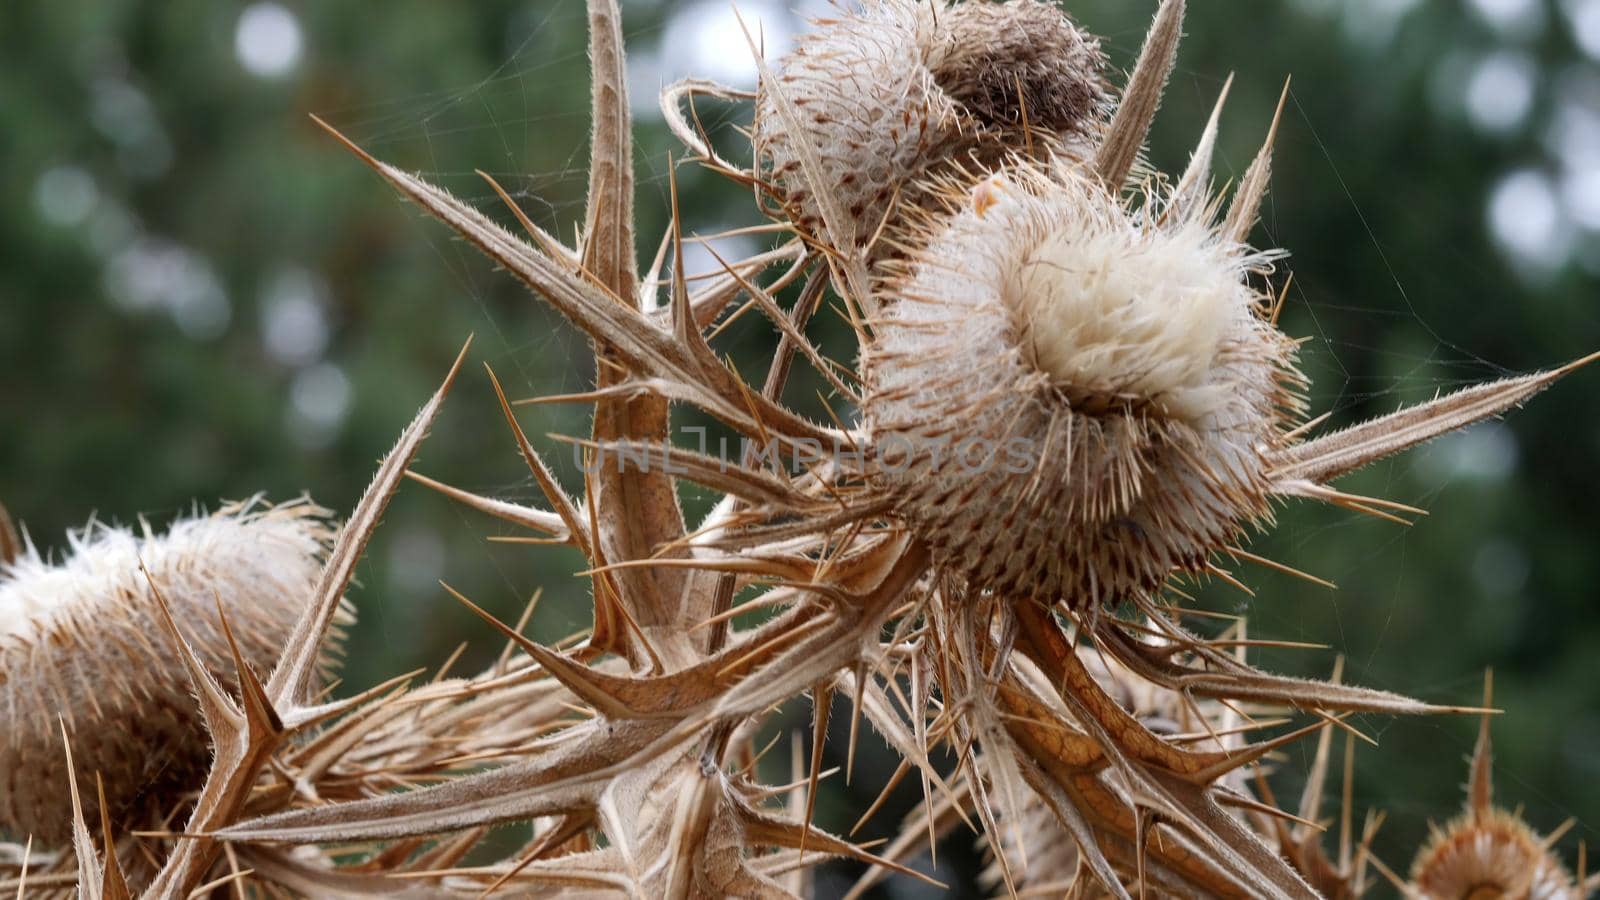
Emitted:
<point x="881" y="97"/>
<point x="1488" y="853"/>
<point x="82" y="639"/>
<point x="1077" y="394"/>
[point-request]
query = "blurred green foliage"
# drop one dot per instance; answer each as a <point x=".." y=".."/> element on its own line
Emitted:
<point x="202" y="296"/>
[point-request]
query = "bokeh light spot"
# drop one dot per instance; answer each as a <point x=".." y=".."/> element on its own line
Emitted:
<point x="319" y="401"/>
<point x="294" y="325"/>
<point x="1584" y="16"/>
<point x="1518" y="19"/>
<point x="267" y="40"/>
<point x="1527" y="221"/>
<point x="1500" y="92"/>
<point x="706" y="38"/>
<point x="155" y="274"/>
<point x="65" y="195"/>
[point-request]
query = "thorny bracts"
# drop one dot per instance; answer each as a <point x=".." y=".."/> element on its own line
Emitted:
<point x="1013" y="273"/>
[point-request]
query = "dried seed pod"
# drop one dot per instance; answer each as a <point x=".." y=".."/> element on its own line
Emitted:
<point x="1488" y="853"/>
<point x="1074" y="394"/>
<point x="884" y="95"/>
<point x="84" y="640"/>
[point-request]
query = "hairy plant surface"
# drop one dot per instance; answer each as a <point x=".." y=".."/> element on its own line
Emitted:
<point x="81" y="650"/>
<point x="1071" y="390"/>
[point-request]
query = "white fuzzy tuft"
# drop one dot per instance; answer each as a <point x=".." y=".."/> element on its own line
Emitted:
<point x="83" y="642"/>
<point x="1110" y="309"/>
<point x="1080" y="392"/>
<point x="239" y="550"/>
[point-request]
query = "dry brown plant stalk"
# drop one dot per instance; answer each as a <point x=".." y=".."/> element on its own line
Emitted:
<point x="958" y="176"/>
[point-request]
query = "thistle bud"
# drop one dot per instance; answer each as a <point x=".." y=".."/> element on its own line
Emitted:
<point x="84" y="640"/>
<point x="1490" y="853"/>
<point x="885" y="95"/>
<point x="1075" y="393"/>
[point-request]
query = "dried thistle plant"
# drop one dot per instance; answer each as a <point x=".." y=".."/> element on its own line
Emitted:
<point x="1015" y="276"/>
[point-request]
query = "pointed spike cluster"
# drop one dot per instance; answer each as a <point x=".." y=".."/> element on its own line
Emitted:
<point x="1487" y="850"/>
<point x="243" y="734"/>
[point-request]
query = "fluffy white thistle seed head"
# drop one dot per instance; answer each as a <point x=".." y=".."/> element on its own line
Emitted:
<point x="1113" y="312"/>
<point x="1076" y="394"/>
<point x="83" y="639"/>
<point x="884" y="95"/>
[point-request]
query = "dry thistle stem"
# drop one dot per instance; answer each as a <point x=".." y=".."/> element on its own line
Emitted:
<point x="1122" y="329"/>
<point x="82" y="641"/>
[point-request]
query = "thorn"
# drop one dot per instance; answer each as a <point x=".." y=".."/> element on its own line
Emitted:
<point x="1279" y="567"/>
<point x="547" y="242"/>
<point x="258" y="708"/>
<point x="1283" y="296"/>
<point x="1246" y="206"/>
<point x="1141" y="98"/>
<point x="114" y="886"/>
<point x="510" y="633"/>
<point x="821" y="702"/>
<point x="1191" y="189"/>
<point x="1022" y="106"/>
<point x="1481" y="782"/>
<point x="28" y="852"/>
